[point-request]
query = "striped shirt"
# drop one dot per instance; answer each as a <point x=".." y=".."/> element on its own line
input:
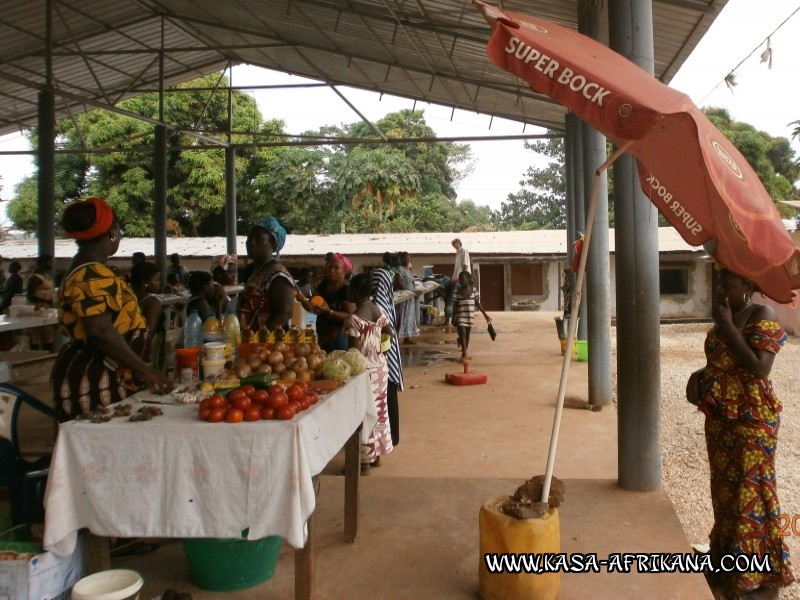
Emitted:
<point x="383" y="296"/>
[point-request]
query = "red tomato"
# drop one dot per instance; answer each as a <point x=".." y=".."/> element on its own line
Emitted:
<point x="204" y="413"/>
<point x="260" y="397"/>
<point x="295" y="406"/>
<point x="204" y="403"/>
<point x="278" y="399"/>
<point x="313" y="397"/>
<point x="295" y="392"/>
<point x="304" y="403"/>
<point x="237" y="393"/>
<point x="217" y="415"/>
<point x="275" y="387"/>
<point x="267" y="413"/>
<point x="234" y="415"/>
<point x="216" y="401"/>
<point x="241" y="402"/>
<point x="252" y="413"/>
<point x="248" y="389"/>
<point x="303" y="385"/>
<point x="285" y="413"/>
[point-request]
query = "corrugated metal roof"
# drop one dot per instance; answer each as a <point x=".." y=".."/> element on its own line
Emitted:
<point x="505" y="243"/>
<point x="432" y="50"/>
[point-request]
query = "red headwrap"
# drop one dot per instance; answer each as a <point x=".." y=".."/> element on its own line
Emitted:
<point x="103" y="220"/>
<point x="343" y="260"/>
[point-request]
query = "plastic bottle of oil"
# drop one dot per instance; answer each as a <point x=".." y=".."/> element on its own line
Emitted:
<point x="231" y="334"/>
<point x="263" y="335"/>
<point x="308" y="335"/>
<point x="292" y="336"/>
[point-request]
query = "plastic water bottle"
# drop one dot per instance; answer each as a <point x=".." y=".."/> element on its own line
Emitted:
<point x="231" y="333"/>
<point x="193" y="331"/>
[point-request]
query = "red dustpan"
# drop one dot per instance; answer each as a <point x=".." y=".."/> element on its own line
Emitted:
<point x="466" y="378"/>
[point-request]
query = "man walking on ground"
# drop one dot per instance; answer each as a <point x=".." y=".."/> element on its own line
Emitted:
<point x="463" y="263"/>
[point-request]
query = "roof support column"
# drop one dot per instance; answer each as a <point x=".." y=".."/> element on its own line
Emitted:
<point x="598" y="279"/>
<point x="638" y="313"/>
<point x="160" y="199"/>
<point x="230" y="176"/>
<point x="46" y="157"/>
<point x="230" y="200"/>
<point x="46" y="150"/>
<point x="160" y="174"/>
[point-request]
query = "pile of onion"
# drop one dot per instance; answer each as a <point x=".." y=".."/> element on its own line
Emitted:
<point x="302" y="362"/>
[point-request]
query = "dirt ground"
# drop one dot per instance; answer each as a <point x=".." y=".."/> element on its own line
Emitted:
<point x="468" y="443"/>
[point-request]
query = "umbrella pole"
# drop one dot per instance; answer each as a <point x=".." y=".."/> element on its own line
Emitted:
<point x="572" y="328"/>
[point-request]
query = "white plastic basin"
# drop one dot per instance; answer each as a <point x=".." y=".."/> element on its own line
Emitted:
<point x="117" y="584"/>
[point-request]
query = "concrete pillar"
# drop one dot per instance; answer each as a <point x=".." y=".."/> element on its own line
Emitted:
<point x="597" y="292"/>
<point x="46" y="150"/>
<point x="160" y="200"/>
<point x="638" y="312"/>
<point x="230" y="200"/>
<point x="46" y="157"/>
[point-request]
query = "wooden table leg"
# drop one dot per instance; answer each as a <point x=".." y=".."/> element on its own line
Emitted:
<point x="352" y="473"/>
<point x="97" y="552"/>
<point x="305" y="564"/>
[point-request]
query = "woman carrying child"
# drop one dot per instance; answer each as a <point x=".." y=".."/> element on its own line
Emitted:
<point x="363" y="329"/>
<point x="466" y="299"/>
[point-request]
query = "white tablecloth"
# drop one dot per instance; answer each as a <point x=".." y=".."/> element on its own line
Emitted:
<point x="177" y="476"/>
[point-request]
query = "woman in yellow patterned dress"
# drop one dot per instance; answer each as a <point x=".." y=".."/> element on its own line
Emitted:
<point x="742" y="413"/>
<point x="103" y="362"/>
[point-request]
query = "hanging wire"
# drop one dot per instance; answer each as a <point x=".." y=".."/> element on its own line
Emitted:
<point x="730" y="78"/>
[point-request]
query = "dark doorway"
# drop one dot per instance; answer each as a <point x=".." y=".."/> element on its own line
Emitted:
<point x="492" y="287"/>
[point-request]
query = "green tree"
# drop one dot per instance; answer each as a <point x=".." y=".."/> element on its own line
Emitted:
<point x="436" y="212"/>
<point x="439" y="164"/>
<point x="540" y="202"/>
<point x="771" y="158"/>
<point x="314" y="189"/>
<point x="124" y="175"/>
<point x="373" y="181"/>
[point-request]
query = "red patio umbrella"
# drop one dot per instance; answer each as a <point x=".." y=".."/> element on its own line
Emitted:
<point x="695" y="177"/>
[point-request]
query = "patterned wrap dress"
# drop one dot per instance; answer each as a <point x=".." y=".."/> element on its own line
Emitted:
<point x="380" y="440"/>
<point x="742" y="421"/>
<point x="408" y="311"/>
<point x="254" y="306"/>
<point x="83" y="378"/>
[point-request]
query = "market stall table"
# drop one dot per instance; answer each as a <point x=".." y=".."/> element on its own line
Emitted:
<point x="178" y="477"/>
<point x="29" y="321"/>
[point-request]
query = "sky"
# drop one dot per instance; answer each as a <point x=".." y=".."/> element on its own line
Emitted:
<point x="764" y="97"/>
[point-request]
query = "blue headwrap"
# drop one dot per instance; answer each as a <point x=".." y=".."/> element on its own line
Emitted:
<point x="275" y="229"/>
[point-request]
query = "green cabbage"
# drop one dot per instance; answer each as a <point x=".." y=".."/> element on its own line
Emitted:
<point x="356" y="360"/>
<point x="336" y="368"/>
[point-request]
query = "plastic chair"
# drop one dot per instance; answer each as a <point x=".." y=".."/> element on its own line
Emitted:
<point x="25" y="479"/>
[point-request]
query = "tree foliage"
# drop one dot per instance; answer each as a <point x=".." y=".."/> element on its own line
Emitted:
<point x="540" y="203"/>
<point x="772" y="158"/>
<point x="356" y="187"/>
